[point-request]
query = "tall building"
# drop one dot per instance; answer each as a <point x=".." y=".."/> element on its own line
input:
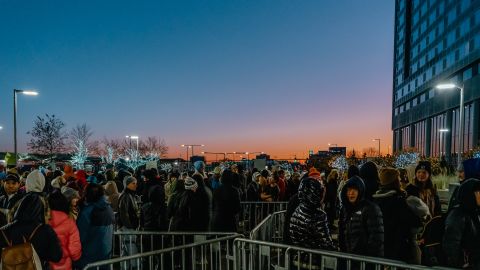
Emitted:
<point x="436" y="41"/>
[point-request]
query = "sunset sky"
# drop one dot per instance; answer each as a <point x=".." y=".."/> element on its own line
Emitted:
<point x="282" y="77"/>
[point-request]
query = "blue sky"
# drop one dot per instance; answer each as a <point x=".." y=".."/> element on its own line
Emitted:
<point x="277" y="76"/>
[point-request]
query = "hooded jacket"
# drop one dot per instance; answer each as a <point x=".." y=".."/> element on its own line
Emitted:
<point x="462" y="228"/>
<point x="308" y="224"/>
<point x="28" y="216"/>
<point x="369" y="175"/>
<point x="67" y="233"/>
<point x="360" y="224"/>
<point x="95" y="225"/>
<point x="399" y="223"/>
<point x="35" y="182"/>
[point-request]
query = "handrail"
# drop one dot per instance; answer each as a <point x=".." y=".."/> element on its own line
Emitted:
<point x="170" y="233"/>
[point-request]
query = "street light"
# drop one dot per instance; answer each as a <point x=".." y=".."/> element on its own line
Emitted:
<point x="191" y="146"/>
<point x="378" y="146"/>
<point x="25" y="92"/>
<point x="132" y="137"/>
<point x="462" y="116"/>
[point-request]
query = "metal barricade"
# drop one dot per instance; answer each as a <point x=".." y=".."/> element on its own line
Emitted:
<point x="133" y="242"/>
<point x="215" y="254"/>
<point x="256" y="255"/>
<point x="271" y="229"/>
<point x="252" y="213"/>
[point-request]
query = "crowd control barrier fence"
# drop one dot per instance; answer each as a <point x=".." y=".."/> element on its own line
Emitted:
<point x="256" y="255"/>
<point x="214" y="254"/>
<point x="131" y="242"/>
<point x="252" y="213"/>
<point x="270" y="229"/>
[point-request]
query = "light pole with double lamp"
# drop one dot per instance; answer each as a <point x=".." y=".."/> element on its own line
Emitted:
<point x="191" y="146"/>
<point x="378" y="146"/>
<point x="448" y="86"/>
<point x="15" y="92"/>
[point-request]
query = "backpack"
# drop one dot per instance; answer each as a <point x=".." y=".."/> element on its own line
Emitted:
<point x="21" y="256"/>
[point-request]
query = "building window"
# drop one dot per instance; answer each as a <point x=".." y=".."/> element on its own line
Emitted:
<point x="467" y="74"/>
<point x="464" y="5"/>
<point x="422" y="98"/>
<point x="431" y="93"/>
<point x="452" y="15"/>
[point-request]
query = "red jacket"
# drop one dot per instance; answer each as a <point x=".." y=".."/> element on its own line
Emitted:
<point x="67" y="232"/>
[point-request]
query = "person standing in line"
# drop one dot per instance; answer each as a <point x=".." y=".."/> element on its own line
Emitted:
<point x="95" y="225"/>
<point x="361" y="222"/>
<point x="66" y="230"/>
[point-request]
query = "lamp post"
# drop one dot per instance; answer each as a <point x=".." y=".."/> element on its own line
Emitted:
<point x="462" y="116"/>
<point x="191" y="146"/>
<point x="378" y="146"/>
<point x="15" y="92"/>
<point x="132" y="137"/>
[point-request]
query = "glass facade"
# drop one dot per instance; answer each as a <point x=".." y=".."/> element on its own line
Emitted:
<point x="435" y="41"/>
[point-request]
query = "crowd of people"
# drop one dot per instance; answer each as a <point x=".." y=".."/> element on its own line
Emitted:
<point x="69" y="215"/>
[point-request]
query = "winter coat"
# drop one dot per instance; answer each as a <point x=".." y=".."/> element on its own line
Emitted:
<point x="399" y="223"/>
<point x="308" y="224"/>
<point x="226" y="205"/>
<point x="7" y="203"/>
<point x="253" y="192"/>
<point x="188" y="213"/>
<point x="369" y="175"/>
<point x="214" y="183"/>
<point x="95" y="224"/>
<point x="462" y="228"/>
<point x="128" y="209"/>
<point x="67" y="232"/>
<point x="173" y="202"/>
<point x="204" y="198"/>
<point x="112" y="194"/>
<point x="360" y="225"/>
<point x="27" y="217"/>
<point x="154" y="213"/>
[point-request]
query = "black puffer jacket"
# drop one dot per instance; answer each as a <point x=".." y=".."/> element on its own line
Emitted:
<point x="360" y="224"/>
<point x="462" y="228"/>
<point x="399" y="223"/>
<point x="308" y="225"/>
<point x="29" y="215"/>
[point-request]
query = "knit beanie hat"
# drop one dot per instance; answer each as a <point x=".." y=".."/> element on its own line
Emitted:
<point x="217" y="170"/>
<point x="69" y="193"/>
<point x="313" y="172"/>
<point x="92" y="179"/>
<point x="127" y="180"/>
<point x="389" y="176"/>
<point x="424" y="165"/>
<point x="190" y="184"/>
<point x="199" y="165"/>
<point x="35" y="182"/>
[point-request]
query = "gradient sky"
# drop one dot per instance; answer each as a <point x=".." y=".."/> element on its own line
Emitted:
<point x="276" y="76"/>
